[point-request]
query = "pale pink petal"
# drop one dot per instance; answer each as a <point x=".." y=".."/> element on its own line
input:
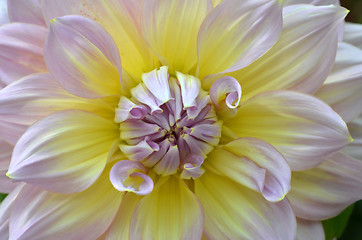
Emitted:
<point x="119" y="228"/>
<point x="171" y="211"/>
<point x="38" y="214"/>
<point x="236" y="33"/>
<point x="137" y="129"/>
<point x="4" y="17"/>
<point x="122" y="20"/>
<point x="126" y="176"/>
<point x="140" y="151"/>
<point x="64" y="152"/>
<point x="174" y="39"/>
<point x="254" y="164"/>
<point x="310" y="230"/>
<point x="129" y="110"/>
<point x="312" y="2"/>
<point x="303" y="56"/>
<point x="27" y="11"/>
<point x="6" y="185"/>
<point x="34" y="97"/>
<point x="323" y="192"/>
<point x="192" y="167"/>
<point x="190" y="87"/>
<point x="169" y="163"/>
<point x="304" y="129"/>
<point x="353" y="34"/>
<point x="157" y="82"/>
<point x="343" y="87"/>
<point x="21" y="51"/>
<point x="6" y="207"/>
<point x="91" y="65"/>
<point x="235" y="212"/>
<point x="354" y="149"/>
<point x="141" y="94"/>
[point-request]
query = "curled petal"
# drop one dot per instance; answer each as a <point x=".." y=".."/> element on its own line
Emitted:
<point x="209" y="133"/>
<point x="137" y="129"/>
<point x="176" y="204"/>
<point x="229" y="34"/>
<point x="27" y="11"/>
<point x="342" y="89"/>
<point x="129" y="110"/>
<point x="140" y="151"/>
<point x="226" y="89"/>
<point x="157" y="82"/>
<point x="91" y="65"/>
<point x="65" y="152"/>
<point x="131" y="176"/>
<point x="190" y="87"/>
<point x="192" y="167"/>
<point x="323" y="192"/>
<point x="303" y="128"/>
<point x="254" y="164"/>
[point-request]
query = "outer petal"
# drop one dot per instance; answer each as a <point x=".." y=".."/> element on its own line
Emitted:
<point x="65" y="152"/>
<point x="353" y="34"/>
<point x="309" y="230"/>
<point x="234" y="212"/>
<point x="170" y="212"/>
<point x="303" y="56"/>
<point x="38" y="214"/>
<point x="255" y="164"/>
<point x="6" y="207"/>
<point x="324" y="191"/>
<point x="4" y="17"/>
<point x="6" y="185"/>
<point x="236" y="33"/>
<point x="121" y="18"/>
<point x="304" y="129"/>
<point x="119" y="229"/>
<point x="21" y="51"/>
<point x="354" y="149"/>
<point x="34" y="97"/>
<point x="312" y="2"/>
<point x="343" y="87"/>
<point x="174" y="38"/>
<point x="27" y="11"/>
<point x="90" y="60"/>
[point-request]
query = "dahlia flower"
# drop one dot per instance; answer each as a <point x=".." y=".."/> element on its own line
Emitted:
<point x="160" y="119"/>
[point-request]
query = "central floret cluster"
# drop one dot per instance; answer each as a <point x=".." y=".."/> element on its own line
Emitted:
<point x="168" y="125"/>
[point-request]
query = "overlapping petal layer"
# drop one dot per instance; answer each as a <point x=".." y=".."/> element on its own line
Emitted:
<point x="34" y="97"/>
<point x="91" y="66"/>
<point x="324" y="191"/>
<point x="235" y="212"/>
<point x="304" y="129"/>
<point x="27" y="11"/>
<point x="6" y="149"/>
<point x="353" y="34"/>
<point x="38" y="214"/>
<point x="122" y="20"/>
<point x="342" y="89"/>
<point x="174" y="39"/>
<point x="21" y="51"/>
<point x="354" y="149"/>
<point x="254" y="164"/>
<point x="311" y="230"/>
<point x="171" y="211"/>
<point x="303" y="55"/>
<point x="229" y="34"/>
<point x="65" y="152"/>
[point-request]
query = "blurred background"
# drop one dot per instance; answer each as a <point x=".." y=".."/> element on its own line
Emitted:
<point x="348" y="225"/>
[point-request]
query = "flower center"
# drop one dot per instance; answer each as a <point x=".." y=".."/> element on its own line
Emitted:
<point x="169" y="124"/>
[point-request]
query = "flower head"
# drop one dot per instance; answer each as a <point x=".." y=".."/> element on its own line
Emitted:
<point x="163" y="119"/>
